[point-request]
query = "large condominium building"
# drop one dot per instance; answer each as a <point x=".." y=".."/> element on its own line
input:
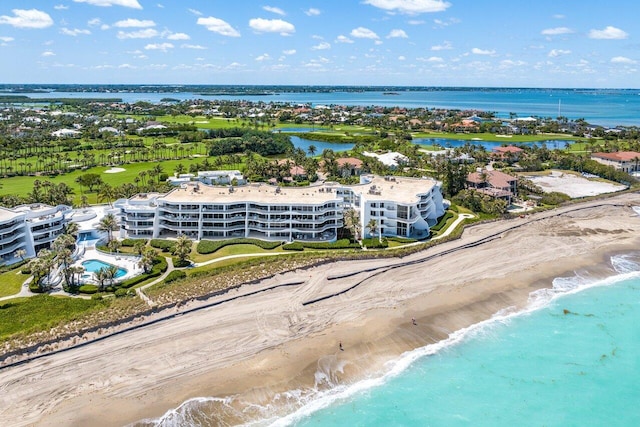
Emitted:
<point x="30" y="228"/>
<point x="400" y="207"/>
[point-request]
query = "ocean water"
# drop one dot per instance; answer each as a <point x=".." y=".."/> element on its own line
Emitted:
<point x="607" y="107"/>
<point x="571" y="359"/>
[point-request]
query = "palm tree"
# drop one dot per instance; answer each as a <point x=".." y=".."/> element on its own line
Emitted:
<point x="108" y="224"/>
<point x="312" y="150"/>
<point x="20" y="253"/>
<point x="139" y="246"/>
<point x="106" y="193"/>
<point x="72" y="229"/>
<point x="372" y="225"/>
<point x="146" y="261"/>
<point x="352" y="222"/>
<point x="114" y="245"/>
<point x="182" y="248"/>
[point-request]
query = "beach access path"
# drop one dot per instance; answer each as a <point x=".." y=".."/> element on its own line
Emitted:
<point x="261" y="339"/>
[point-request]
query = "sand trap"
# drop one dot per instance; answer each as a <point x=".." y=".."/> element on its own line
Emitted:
<point x="115" y="170"/>
<point x="572" y="185"/>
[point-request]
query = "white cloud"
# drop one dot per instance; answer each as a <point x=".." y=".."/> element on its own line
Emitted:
<point x="75" y="32"/>
<point x="397" y="34"/>
<point x="275" y="10"/>
<point x="410" y="6"/>
<point x="322" y="46"/>
<point x="289" y="52"/>
<point x="31" y="18"/>
<point x="312" y="12"/>
<point x="218" y="26"/>
<point x="363" y="33"/>
<point x="442" y="24"/>
<point x="195" y="12"/>
<point x="478" y="51"/>
<point x="127" y="66"/>
<point x="47" y="53"/>
<point x="401" y="58"/>
<point x="193" y="46"/>
<point x="511" y="63"/>
<point x="558" y="16"/>
<point x="343" y="39"/>
<point x="446" y="45"/>
<point x="556" y="31"/>
<point x="60" y="7"/>
<point x="554" y="53"/>
<point x="609" y="33"/>
<point x="94" y="22"/>
<point x="6" y="39"/>
<point x="134" y="23"/>
<point x="263" y="57"/>
<point x="260" y="25"/>
<point x="178" y="36"/>
<point x="108" y="3"/>
<point x="623" y="60"/>
<point x="141" y="34"/>
<point x="159" y="46"/>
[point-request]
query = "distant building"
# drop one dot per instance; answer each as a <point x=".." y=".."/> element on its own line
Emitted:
<point x="510" y="152"/>
<point x="626" y="161"/>
<point x="29" y="227"/>
<point x="494" y="183"/>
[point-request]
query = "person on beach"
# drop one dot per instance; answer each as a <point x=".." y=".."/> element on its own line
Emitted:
<point x="413" y="320"/>
<point x="340" y="345"/>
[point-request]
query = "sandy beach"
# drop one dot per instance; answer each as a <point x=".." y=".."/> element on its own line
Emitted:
<point x="254" y="347"/>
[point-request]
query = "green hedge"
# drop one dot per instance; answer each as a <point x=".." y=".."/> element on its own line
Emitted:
<point x="295" y="246"/>
<point x="131" y="242"/>
<point x="210" y="246"/>
<point x="33" y="287"/>
<point x="163" y="245"/>
<point x="442" y="221"/>
<point x="175" y="275"/>
<point x="399" y="239"/>
<point x="159" y="267"/>
<point x="375" y="243"/>
<point x="338" y="244"/>
<point x="88" y="289"/>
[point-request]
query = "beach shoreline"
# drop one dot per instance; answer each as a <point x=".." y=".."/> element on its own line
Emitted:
<point x="263" y="345"/>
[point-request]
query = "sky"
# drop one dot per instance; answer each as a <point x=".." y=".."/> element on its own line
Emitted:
<point x="496" y="43"/>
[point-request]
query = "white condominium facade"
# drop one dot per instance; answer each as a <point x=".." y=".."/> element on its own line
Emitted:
<point x="31" y="228"/>
<point x="400" y="206"/>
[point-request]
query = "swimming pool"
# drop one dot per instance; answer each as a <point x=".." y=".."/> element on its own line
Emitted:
<point x="93" y="265"/>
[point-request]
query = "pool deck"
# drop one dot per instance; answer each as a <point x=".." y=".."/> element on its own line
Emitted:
<point x="127" y="262"/>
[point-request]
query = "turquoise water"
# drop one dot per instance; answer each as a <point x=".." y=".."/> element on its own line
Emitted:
<point x="571" y="359"/>
<point x="609" y="107"/>
<point x="93" y="265"/>
<point x="575" y="362"/>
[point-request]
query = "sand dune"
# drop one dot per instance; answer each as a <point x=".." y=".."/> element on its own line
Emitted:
<point x="255" y="346"/>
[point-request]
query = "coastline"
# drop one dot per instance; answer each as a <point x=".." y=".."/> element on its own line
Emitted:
<point x="270" y="343"/>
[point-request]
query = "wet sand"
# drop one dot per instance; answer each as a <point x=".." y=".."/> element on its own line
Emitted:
<point x="257" y="346"/>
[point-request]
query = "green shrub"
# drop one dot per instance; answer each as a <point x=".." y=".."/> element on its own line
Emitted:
<point x="131" y="242"/>
<point x="159" y="267"/>
<point x="210" y="246"/>
<point x="163" y="245"/>
<point x="442" y="221"/>
<point x="33" y="287"/>
<point x="121" y="293"/>
<point x="554" y="198"/>
<point x="295" y="246"/>
<point x="175" y="275"/>
<point x="96" y="297"/>
<point x="375" y="243"/>
<point x="400" y="239"/>
<point x="338" y="244"/>
<point x="88" y="289"/>
<point x="181" y="263"/>
<point x="25" y="271"/>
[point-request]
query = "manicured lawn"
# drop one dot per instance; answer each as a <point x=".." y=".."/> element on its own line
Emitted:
<point x="11" y="281"/>
<point x="41" y="312"/>
<point x="201" y="121"/>
<point x="23" y="185"/>
<point x="225" y="263"/>
<point x="231" y="250"/>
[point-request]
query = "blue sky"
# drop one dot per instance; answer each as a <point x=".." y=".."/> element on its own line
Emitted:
<point x="545" y="43"/>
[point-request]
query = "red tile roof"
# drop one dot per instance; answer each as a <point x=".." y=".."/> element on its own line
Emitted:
<point x="496" y="179"/>
<point x="619" y="156"/>
<point x="507" y="149"/>
<point x="355" y="163"/>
